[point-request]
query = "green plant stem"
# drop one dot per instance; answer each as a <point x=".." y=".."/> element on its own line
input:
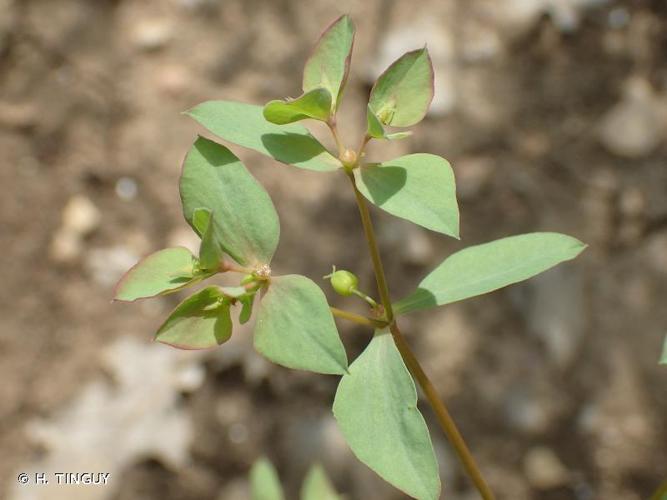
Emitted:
<point x="444" y="418"/>
<point x="357" y="318"/>
<point x="383" y="289"/>
<point x="366" y="298"/>
<point x="661" y="493"/>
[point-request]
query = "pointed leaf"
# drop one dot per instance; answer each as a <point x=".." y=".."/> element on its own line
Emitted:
<point x="663" y="359"/>
<point x="295" y="327"/>
<point x="245" y="125"/>
<point x="199" y="322"/>
<point x="210" y="249"/>
<point x="484" y="268"/>
<point x="264" y="481"/>
<point x="315" y="104"/>
<point x="316" y="486"/>
<point x="374" y="127"/>
<point x="397" y="136"/>
<point x="402" y="94"/>
<point x="329" y="64"/>
<point x="162" y="272"/>
<point x="200" y="220"/>
<point x="245" y="221"/>
<point x="418" y="187"/>
<point x="246" y="309"/>
<point x="376" y="409"/>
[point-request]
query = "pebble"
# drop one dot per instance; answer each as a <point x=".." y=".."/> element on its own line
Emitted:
<point x="635" y="126"/>
<point x="80" y="216"/>
<point x="65" y="247"/>
<point x="544" y="470"/>
<point x="107" y="265"/>
<point x="126" y="188"/>
<point x="152" y="35"/>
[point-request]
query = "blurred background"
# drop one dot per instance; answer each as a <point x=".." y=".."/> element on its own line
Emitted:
<point x="553" y="114"/>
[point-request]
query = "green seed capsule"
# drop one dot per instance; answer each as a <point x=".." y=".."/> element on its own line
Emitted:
<point x="344" y="282"/>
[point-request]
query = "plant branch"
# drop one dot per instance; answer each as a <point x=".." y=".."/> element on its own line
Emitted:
<point x="444" y="418"/>
<point x="383" y="289"/>
<point x="357" y="318"/>
<point x="334" y="131"/>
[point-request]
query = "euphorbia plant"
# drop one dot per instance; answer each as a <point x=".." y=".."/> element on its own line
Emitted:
<point x="376" y="400"/>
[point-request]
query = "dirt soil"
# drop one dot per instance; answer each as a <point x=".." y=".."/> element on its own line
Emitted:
<point x="553" y="120"/>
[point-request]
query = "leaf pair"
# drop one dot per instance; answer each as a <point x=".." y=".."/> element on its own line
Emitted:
<point x="234" y="215"/>
<point x="265" y="483"/>
<point x="400" y="97"/>
<point x="324" y="78"/>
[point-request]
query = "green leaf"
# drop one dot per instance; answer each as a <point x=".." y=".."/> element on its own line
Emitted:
<point x="245" y="223"/>
<point x="484" y="268"/>
<point x="329" y="64"/>
<point x="200" y="220"/>
<point x="210" y="249"/>
<point x="375" y="129"/>
<point x="199" y="322"/>
<point x="162" y="272"/>
<point x="374" y="126"/>
<point x="418" y="187"/>
<point x="663" y="359"/>
<point x="376" y="409"/>
<point x="264" y="481"/>
<point x="402" y="94"/>
<point x="316" y="486"/>
<point x="245" y="125"/>
<point x="315" y="104"/>
<point x="295" y="327"/>
<point x="246" y="309"/>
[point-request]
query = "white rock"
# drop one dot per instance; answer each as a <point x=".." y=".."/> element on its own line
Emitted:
<point x="544" y="470"/>
<point x="126" y="188"/>
<point x="635" y="126"/>
<point x="80" y="215"/>
<point x="109" y="426"/>
<point x="153" y="34"/>
<point x="107" y="265"/>
<point x="66" y="246"/>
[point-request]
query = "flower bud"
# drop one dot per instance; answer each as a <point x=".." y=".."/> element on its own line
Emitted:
<point x="349" y="158"/>
<point x="344" y="282"/>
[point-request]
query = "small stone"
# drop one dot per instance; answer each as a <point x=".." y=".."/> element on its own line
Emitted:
<point x="107" y="265"/>
<point x="635" y="126"/>
<point x="544" y="470"/>
<point x="80" y="216"/>
<point x="66" y="246"/>
<point x="126" y="188"/>
<point x="152" y="35"/>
